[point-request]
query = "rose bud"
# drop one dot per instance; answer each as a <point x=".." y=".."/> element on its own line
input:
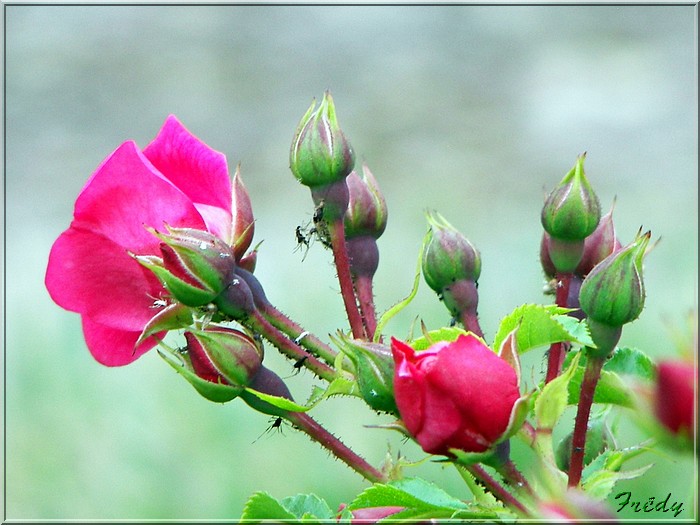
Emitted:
<point x="674" y="396"/>
<point x="612" y="294"/>
<point x="575" y="506"/>
<point x="570" y="213"/>
<point x="219" y="362"/>
<point x="320" y="153"/>
<point x="447" y="255"/>
<point x="598" y="245"/>
<point x="243" y="226"/>
<point x="236" y="300"/>
<point x="367" y="514"/>
<point x="195" y="265"/>
<point x="367" y="210"/>
<point x="456" y="395"/>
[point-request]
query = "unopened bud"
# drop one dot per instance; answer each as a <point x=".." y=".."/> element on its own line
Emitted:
<point x="320" y="153"/>
<point x="367" y="211"/>
<point x="598" y="245"/>
<point x="448" y="256"/>
<point x="195" y="265"/>
<point x="243" y="220"/>
<point x="571" y="211"/>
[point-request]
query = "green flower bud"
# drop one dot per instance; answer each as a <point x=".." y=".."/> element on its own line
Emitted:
<point x="448" y="256"/>
<point x="613" y="292"/>
<point x="195" y="265"/>
<point x="571" y="211"/>
<point x="223" y="355"/>
<point x="367" y="211"/>
<point x="598" y="440"/>
<point x="218" y="362"/>
<point x="374" y="370"/>
<point x="320" y="153"/>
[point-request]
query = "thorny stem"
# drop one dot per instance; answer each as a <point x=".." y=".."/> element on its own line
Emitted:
<point x="514" y="477"/>
<point x="302" y="337"/>
<point x="365" y="296"/>
<point x="578" y="442"/>
<point x="258" y="323"/>
<point x="497" y="489"/>
<point x="319" y="434"/>
<point x="342" y="266"/>
<point x="557" y="351"/>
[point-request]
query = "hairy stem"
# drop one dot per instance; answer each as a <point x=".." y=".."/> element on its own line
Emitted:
<point x="514" y="477"/>
<point x="342" y="266"/>
<point x="319" y="434"/>
<point x="302" y="337"/>
<point x="557" y="351"/>
<point x="365" y="296"/>
<point x="497" y="489"/>
<point x="578" y="442"/>
<point x="258" y="323"/>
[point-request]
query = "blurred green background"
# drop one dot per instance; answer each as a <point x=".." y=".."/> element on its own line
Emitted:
<point x="475" y="111"/>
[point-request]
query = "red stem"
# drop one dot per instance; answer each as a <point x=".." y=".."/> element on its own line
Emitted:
<point x="258" y="323"/>
<point x="470" y="321"/>
<point x="557" y="351"/>
<point x="336" y="447"/>
<point x="365" y="296"/>
<point x="578" y="442"/>
<point x="303" y="337"/>
<point x="342" y="266"/>
<point x="496" y="489"/>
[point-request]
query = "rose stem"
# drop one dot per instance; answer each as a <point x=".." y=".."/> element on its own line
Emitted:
<point x="257" y="322"/>
<point x="304" y="338"/>
<point x="557" y="351"/>
<point x="342" y="266"/>
<point x="470" y="321"/>
<point x="365" y="296"/>
<point x="578" y="442"/>
<point x="496" y="489"/>
<point x="335" y="446"/>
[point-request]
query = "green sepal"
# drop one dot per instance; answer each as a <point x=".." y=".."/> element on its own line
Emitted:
<point x="179" y="289"/>
<point x="601" y="475"/>
<point x="281" y="403"/>
<point x="172" y="317"/>
<point x="428" y="339"/>
<point x="216" y="392"/>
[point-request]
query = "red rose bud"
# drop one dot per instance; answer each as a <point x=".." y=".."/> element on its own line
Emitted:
<point x="363" y="253"/>
<point x="598" y="245"/>
<point x="320" y="153"/>
<point x="454" y="395"/>
<point x="243" y="220"/>
<point x="574" y="506"/>
<point x="195" y="265"/>
<point x="571" y="211"/>
<point x="374" y="371"/>
<point x="223" y="355"/>
<point x="674" y="401"/>
<point x="367" y="211"/>
<point x="447" y="255"/>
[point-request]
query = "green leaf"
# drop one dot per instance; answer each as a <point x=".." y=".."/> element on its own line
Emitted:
<point x="600" y="476"/>
<point x="428" y="493"/>
<point x="633" y="362"/>
<point x="434" y="336"/>
<point x="308" y="506"/>
<point x="610" y="389"/>
<point x="262" y="506"/>
<point x="552" y="401"/>
<point x="600" y="484"/>
<point x="542" y="325"/>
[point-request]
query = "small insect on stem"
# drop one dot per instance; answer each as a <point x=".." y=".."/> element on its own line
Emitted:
<point x="276" y="424"/>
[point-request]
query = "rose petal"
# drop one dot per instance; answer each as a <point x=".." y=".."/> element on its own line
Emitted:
<point x="113" y="347"/>
<point x="125" y="194"/>
<point x="196" y="169"/>
<point x="95" y="277"/>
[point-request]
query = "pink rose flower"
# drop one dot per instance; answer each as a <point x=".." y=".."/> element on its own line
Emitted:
<point x="454" y="394"/>
<point x="176" y="180"/>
